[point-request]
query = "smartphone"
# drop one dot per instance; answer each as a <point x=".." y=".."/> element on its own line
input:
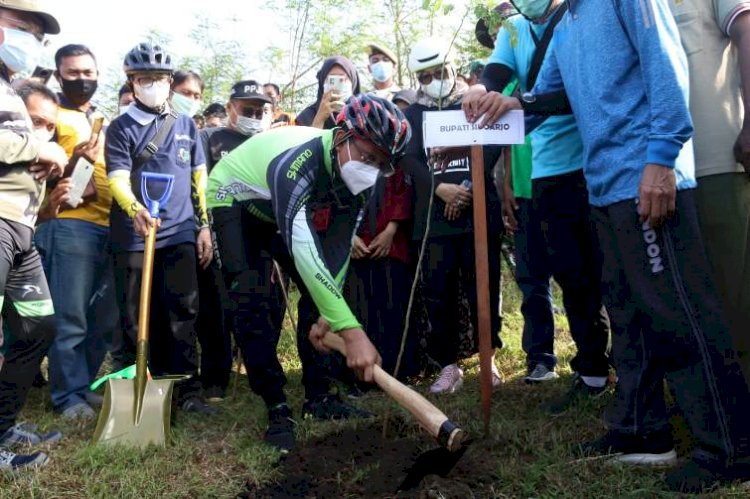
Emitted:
<point x="81" y="176"/>
<point x="336" y="82"/>
<point x="43" y="74"/>
<point x="96" y="128"/>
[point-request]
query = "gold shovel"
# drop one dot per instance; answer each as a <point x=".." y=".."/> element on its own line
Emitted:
<point x="136" y="412"/>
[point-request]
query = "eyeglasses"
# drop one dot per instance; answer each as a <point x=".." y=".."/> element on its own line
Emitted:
<point x="386" y="168"/>
<point x="25" y="27"/>
<point x="425" y="78"/>
<point x="148" y="81"/>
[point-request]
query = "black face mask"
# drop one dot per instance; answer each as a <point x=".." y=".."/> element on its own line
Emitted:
<point x="78" y="92"/>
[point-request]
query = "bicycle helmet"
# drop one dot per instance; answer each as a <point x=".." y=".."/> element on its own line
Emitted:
<point x="428" y="53"/>
<point x="377" y="120"/>
<point x="148" y="57"/>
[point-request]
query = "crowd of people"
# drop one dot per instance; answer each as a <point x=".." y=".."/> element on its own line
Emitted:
<point x="630" y="192"/>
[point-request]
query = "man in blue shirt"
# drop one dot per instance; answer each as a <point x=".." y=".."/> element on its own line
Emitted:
<point x="559" y="212"/>
<point x="625" y="75"/>
<point x="183" y="235"/>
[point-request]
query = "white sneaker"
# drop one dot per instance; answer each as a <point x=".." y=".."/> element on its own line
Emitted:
<point x="451" y="378"/>
<point x="497" y="378"/>
<point x="12" y="461"/>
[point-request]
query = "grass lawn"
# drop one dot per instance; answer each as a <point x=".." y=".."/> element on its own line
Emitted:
<point x="526" y="454"/>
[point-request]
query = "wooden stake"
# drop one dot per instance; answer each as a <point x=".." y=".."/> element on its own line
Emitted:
<point x="483" y="280"/>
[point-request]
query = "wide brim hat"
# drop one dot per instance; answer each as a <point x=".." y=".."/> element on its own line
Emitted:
<point x="49" y="23"/>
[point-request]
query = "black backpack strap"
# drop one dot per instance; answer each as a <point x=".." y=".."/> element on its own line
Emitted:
<point x="542" y="45"/>
<point x="154" y="144"/>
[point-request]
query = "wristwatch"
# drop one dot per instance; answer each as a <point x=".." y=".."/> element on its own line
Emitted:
<point x="527" y="98"/>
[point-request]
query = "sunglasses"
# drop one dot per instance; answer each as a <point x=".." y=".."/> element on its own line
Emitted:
<point x="250" y="112"/>
<point x="425" y="78"/>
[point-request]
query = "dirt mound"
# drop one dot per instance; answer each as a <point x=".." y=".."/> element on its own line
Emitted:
<point x="361" y="463"/>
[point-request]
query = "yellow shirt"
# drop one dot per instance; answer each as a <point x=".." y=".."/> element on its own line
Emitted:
<point x="73" y="128"/>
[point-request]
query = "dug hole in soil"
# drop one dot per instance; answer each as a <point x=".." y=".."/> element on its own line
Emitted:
<point x="359" y="462"/>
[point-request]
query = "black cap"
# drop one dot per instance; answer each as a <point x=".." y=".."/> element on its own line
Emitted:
<point x="249" y="89"/>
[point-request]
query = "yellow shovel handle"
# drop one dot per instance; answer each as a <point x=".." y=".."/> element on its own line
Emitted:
<point x="144" y="312"/>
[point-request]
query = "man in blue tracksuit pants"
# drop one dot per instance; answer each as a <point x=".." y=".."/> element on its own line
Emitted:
<point x="623" y="69"/>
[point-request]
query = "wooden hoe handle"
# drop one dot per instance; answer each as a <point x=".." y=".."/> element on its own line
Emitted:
<point x="427" y="415"/>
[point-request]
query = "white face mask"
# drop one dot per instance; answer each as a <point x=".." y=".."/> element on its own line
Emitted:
<point x="251" y="126"/>
<point x="185" y="105"/>
<point x="20" y="51"/>
<point x="438" y="89"/>
<point x="124" y="109"/>
<point x="43" y="135"/>
<point x="358" y="176"/>
<point x="154" y="96"/>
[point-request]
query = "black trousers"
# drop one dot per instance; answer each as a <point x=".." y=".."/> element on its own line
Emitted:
<point x="561" y="207"/>
<point x="174" y="307"/>
<point x="213" y="329"/>
<point x="667" y="321"/>
<point x="27" y="306"/>
<point x="248" y="247"/>
<point x="448" y="259"/>
<point x="534" y="279"/>
<point x="378" y="292"/>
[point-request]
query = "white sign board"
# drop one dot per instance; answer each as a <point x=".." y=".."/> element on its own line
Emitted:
<point x="450" y="129"/>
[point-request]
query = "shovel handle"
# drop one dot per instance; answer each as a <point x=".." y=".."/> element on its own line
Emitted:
<point x="141" y="355"/>
<point x="427" y="415"/>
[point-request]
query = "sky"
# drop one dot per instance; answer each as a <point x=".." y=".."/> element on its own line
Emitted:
<point x="111" y="28"/>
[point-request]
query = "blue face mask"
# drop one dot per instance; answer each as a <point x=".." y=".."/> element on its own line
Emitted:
<point x="20" y="51"/>
<point x="532" y="9"/>
<point x="185" y="105"/>
<point x="381" y="71"/>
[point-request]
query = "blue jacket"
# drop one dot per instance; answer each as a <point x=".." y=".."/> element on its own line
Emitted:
<point x="625" y="73"/>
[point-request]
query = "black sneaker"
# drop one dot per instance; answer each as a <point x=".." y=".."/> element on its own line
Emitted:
<point x="330" y="406"/>
<point x="196" y="405"/>
<point x="11" y="461"/>
<point x="578" y="392"/>
<point x="280" y="432"/>
<point x="697" y="477"/>
<point x="540" y="374"/>
<point x="655" y="449"/>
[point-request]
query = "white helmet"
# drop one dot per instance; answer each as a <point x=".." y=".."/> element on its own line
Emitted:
<point x="428" y="53"/>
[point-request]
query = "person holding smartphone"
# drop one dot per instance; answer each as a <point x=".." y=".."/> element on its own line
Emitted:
<point x="74" y="242"/>
<point x="337" y="81"/>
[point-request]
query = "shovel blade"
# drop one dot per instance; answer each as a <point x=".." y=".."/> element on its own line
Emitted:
<point x="118" y="423"/>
